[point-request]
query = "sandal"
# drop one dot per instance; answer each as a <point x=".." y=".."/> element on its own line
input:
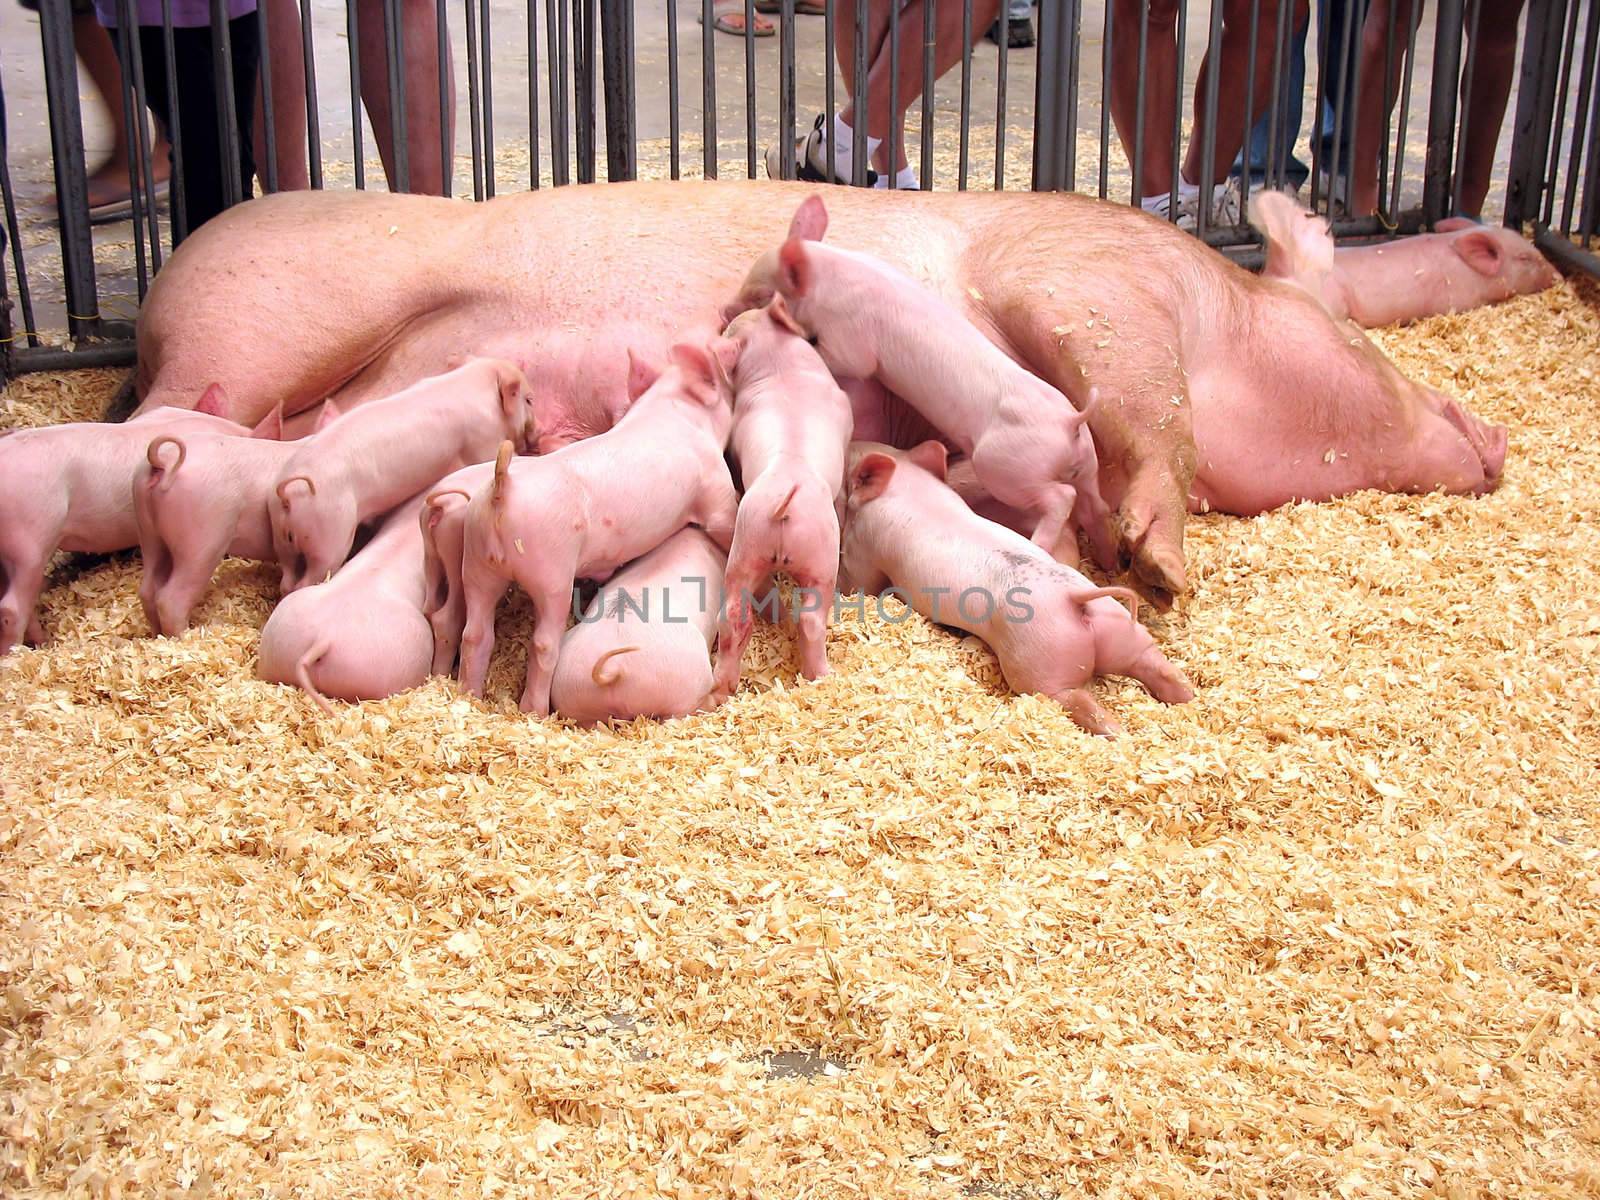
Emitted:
<point x="803" y="8"/>
<point x="732" y="21"/>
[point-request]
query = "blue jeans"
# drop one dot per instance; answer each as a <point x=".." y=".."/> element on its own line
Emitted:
<point x="1330" y="23"/>
<point x="1019" y="10"/>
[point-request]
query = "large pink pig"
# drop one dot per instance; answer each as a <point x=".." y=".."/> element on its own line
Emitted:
<point x="791" y="424"/>
<point x="1460" y="266"/>
<point x="195" y="500"/>
<point x="1052" y="630"/>
<point x="1030" y="447"/>
<point x="589" y="507"/>
<point x="642" y="647"/>
<point x="361" y="635"/>
<point x="369" y="460"/>
<point x="65" y="487"/>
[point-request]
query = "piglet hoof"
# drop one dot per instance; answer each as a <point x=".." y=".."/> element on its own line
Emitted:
<point x="532" y="705"/>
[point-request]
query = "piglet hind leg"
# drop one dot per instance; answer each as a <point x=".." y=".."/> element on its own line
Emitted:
<point x="1088" y="712"/>
<point x="23" y="577"/>
<point x="733" y="630"/>
<point x="811" y="622"/>
<point x="544" y="646"/>
<point x="483" y="591"/>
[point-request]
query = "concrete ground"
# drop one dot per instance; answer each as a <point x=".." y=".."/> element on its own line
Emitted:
<point x="738" y="153"/>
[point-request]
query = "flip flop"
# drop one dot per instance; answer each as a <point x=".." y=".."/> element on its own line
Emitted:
<point x="724" y="23"/>
<point x="804" y="8"/>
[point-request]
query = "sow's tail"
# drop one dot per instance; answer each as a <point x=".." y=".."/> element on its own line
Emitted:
<point x="603" y="677"/>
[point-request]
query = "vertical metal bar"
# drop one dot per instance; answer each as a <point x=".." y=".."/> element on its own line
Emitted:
<point x="555" y="32"/>
<point x="1339" y="167"/>
<point x="141" y="146"/>
<point x="1388" y="115"/>
<point x="897" y="124"/>
<point x="475" y="101"/>
<point x="1474" y="10"/>
<point x="353" y="37"/>
<point x="1003" y="28"/>
<point x="486" y="66"/>
<point x="618" y="51"/>
<point x="1068" y="153"/>
<point x="447" y="156"/>
<point x="1436" y="187"/>
<point x="749" y="89"/>
<point x="1405" y="113"/>
<point x="394" y="57"/>
<point x="532" y="9"/>
<point x="708" y="90"/>
<point x="313" y="124"/>
<point x="1047" y="78"/>
<point x="830" y="108"/>
<point x="72" y="184"/>
<point x="588" y="28"/>
<point x="1591" y="182"/>
<point x="925" y="166"/>
<point x="227" y="116"/>
<point x="13" y="235"/>
<point x="1249" y="113"/>
<point x="1580" y="117"/>
<point x="858" y="98"/>
<point x="1208" y="140"/>
<point x="132" y="112"/>
<point x="1107" y="53"/>
<point x="966" y="93"/>
<point x="786" y="92"/>
<point x="1139" y="104"/>
<point x="674" y="121"/>
<point x="269" y="124"/>
<point x="1177" y="115"/>
<point x="1548" y="117"/>
<point x="1277" y="168"/>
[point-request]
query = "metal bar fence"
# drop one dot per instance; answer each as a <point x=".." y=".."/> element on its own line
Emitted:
<point x="886" y="57"/>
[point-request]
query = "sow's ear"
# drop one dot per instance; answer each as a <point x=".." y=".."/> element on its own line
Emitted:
<point x="1479" y="251"/>
<point x="871" y="476"/>
<point x="810" y="219"/>
<point x="932" y="457"/>
<point x="794" y="268"/>
<point x="641" y="375"/>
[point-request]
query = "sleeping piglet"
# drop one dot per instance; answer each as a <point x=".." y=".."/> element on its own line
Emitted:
<point x="360" y="635"/>
<point x="369" y="460"/>
<point x="1461" y="265"/>
<point x="1052" y="629"/>
<point x="642" y="647"/>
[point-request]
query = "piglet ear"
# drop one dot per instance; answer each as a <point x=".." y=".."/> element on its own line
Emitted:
<point x="779" y="312"/>
<point x="271" y="427"/>
<point x="1479" y="251"/>
<point x="213" y="401"/>
<point x="641" y="375"/>
<point x="871" y="476"/>
<point x="327" y="416"/>
<point x="810" y="219"/>
<point x="724" y="353"/>
<point x="794" y="268"/>
<point x="932" y="457"/>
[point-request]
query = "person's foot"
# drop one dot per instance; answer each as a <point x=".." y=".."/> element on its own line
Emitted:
<point x="811" y="159"/>
<point x="110" y="197"/>
<point x="1019" y="33"/>
<point x="730" y="19"/>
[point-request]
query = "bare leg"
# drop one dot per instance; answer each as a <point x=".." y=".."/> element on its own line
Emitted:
<point x="1236" y="55"/>
<point x="287" y="62"/>
<point x="1486" y="103"/>
<point x="99" y="55"/>
<point x="1374" y="103"/>
<point x="1161" y="88"/>
<point x="420" y="45"/>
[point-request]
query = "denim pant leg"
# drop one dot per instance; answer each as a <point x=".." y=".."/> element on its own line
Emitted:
<point x="1336" y="78"/>
<point x="1293" y="89"/>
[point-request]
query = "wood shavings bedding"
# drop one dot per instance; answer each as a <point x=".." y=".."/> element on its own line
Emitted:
<point x="1331" y="928"/>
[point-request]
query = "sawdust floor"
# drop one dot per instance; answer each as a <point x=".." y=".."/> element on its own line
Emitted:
<point x="1332" y="928"/>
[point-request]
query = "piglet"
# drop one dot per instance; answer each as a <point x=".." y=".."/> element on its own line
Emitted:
<point x="65" y="487"/>
<point x="369" y="460"/>
<point x="196" y="499"/>
<point x="444" y="526"/>
<point x="791" y="424"/>
<point x="642" y="647"/>
<point x="360" y="635"/>
<point x="1030" y="448"/>
<point x="1052" y="630"/>
<point x="1460" y="266"/>
<point x="591" y="506"/>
